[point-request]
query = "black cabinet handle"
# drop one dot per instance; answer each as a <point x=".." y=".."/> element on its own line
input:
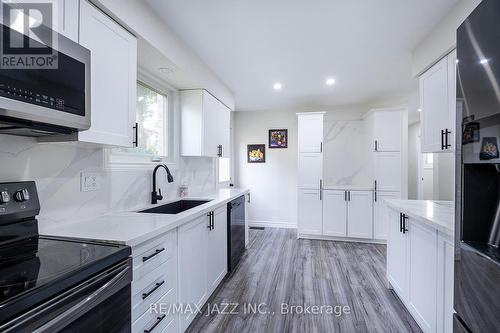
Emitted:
<point x="136" y="132"/>
<point x="345" y="195"/>
<point x="158" y="320"/>
<point x="375" y="196"/>
<point x="209" y="226"/>
<point x="320" y="189"/>
<point x="442" y="139"/>
<point x="404" y="223"/>
<point x="376" y="145"/>
<point x="400" y="222"/>
<point x="212" y="221"/>
<point x="446" y="144"/>
<point x="158" y="285"/>
<point x="348" y="195"/>
<point x="321" y="147"/>
<point x="375" y="185"/>
<point x="157" y="252"/>
<point x="249" y="199"/>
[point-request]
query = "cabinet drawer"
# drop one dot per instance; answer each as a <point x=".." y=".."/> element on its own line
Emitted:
<point x="162" y="320"/>
<point x="151" y="287"/>
<point x="149" y="256"/>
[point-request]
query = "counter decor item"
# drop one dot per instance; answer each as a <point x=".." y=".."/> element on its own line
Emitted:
<point x="256" y="153"/>
<point x="278" y="138"/>
<point x="489" y="149"/>
<point x="183" y="190"/>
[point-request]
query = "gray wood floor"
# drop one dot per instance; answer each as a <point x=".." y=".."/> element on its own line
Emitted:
<point x="278" y="268"/>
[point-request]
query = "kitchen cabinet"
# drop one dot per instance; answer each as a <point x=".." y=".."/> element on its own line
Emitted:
<point x="310" y="132"/>
<point x="202" y="259"/>
<point x="397" y="255"/>
<point x="335" y="213"/>
<point x="205" y="125"/>
<point x="380" y="218"/>
<point x="217" y="250"/>
<point x="438" y="106"/>
<point x="310" y="212"/>
<point x="192" y="266"/>
<point x="387" y="171"/>
<point x="360" y="214"/>
<point x="113" y="78"/>
<point x="420" y="264"/>
<point x="422" y="274"/>
<point x="387" y="130"/>
<point x="310" y="170"/>
<point x="67" y="18"/>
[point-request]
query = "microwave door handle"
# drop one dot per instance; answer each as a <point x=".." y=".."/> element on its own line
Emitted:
<point x="86" y="304"/>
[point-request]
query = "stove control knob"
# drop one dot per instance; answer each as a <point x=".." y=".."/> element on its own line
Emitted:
<point x="4" y="197"/>
<point x="22" y="195"/>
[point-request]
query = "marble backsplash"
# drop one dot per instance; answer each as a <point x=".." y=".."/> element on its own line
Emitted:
<point x="346" y="154"/>
<point x="56" y="169"/>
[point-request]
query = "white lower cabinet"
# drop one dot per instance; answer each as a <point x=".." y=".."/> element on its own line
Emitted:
<point x="309" y="212"/>
<point x="360" y="214"/>
<point x="335" y="213"/>
<point x="420" y="270"/>
<point x="202" y="260"/>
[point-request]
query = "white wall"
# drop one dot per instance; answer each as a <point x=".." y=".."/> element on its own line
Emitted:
<point x="444" y="170"/>
<point x="413" y="156"/>
<point x="442" y="39"/>
<point x="56" y="169"/>
<point x="273" y="185"/>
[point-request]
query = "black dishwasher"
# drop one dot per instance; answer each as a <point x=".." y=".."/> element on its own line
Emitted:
<point x="235" y="232"/>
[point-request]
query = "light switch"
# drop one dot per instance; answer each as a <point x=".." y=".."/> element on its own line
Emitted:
<point x="89" y="181"/>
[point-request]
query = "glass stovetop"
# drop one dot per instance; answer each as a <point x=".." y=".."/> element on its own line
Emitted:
<point x="31" y="265"/>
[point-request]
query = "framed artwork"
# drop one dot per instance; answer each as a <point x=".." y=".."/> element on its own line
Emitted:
<point x="256" y="153"/>
<point x="489" y="149"/>
<point x="471" y="133"/>
<point x="278" y="138"/>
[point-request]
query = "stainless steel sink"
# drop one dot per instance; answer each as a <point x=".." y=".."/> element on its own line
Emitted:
<point x="175" y="207"/>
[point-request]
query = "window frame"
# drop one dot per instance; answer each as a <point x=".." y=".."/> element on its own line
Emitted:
<point x="115" y="159"/>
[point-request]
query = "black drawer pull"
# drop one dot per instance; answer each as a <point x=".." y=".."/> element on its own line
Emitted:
<point x="157" y="252"/>
<point x="158" y="285"/>
<point x="158" y="320"/>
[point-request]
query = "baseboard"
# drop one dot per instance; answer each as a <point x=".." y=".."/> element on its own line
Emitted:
<point x="270" y="224"/>
<point x="341" y="239"/>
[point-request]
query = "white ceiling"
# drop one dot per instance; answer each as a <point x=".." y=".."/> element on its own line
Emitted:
<point x="365" y="44"/>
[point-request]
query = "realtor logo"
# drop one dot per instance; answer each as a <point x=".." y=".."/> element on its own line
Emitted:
<point x="28" y="37"/>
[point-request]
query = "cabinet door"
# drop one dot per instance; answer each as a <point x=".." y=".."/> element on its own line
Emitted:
<point x="217" y="250"/>
<point x="310" y="133"/>
<point x="360" y="214"/>
<point x="192" y="266"/>
<point x="452" y="98"/>
<point x="224" y="129"/>
<point x="67" y="18"/>
<point x="397" y="256"/>
<point x="387" y="168"/>
<point x="434" y="105"/>
<point x="422" y="295"/>
<point x="309" y="212"/>
<point x="445" y="266"/>
<point x="211" y="108"/>
<point x="380" y="218"/>
<point x="310" y="170"/>
<point x="387" y="130"/>
<point x="335" y="213"/>
<point x="113" y="78"/>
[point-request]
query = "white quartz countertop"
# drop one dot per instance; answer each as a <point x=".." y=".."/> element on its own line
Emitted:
<point x="132" y="228"/>
<point x="437" y="214"/>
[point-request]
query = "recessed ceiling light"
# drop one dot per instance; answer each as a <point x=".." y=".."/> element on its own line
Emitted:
<point x="330" y="81"/>
<point x="277" y="86"/>
<point x="483" y="61"/>
<point x="165" y="70"/>
<point x="419" y="110"/>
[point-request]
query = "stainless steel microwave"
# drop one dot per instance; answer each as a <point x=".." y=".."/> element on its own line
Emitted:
<point x="39" y="101"/>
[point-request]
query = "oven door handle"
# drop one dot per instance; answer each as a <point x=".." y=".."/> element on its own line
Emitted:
<point x="109" y="288"/>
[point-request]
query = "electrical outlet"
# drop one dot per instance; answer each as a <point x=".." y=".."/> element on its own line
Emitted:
<point x="89" y="181"/>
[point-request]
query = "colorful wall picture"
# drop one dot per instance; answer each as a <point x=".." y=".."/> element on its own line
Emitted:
<point x="256" y="153"/>
<point x="278" y="138"/>
<point x="489" y="148"/>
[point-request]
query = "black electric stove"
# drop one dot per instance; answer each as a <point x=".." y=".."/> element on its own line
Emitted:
<point x="40" y="272"/>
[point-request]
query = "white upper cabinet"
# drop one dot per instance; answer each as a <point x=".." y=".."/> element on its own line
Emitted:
<point x="113" y="78"/>
<point x="387" y="128"/>
<point x="205" y="125"/>
<point x="387" y="170"/>
<point x="437" y="102"/>
<point x="360" y="214"/>
<point x="310" y="133"/>
<point x="67" y="18"/>
<point x="335" y="213"/>
<point x="310" y="170"/>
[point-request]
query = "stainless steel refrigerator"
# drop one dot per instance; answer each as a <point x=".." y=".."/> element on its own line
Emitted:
<point x="477" y="223"/>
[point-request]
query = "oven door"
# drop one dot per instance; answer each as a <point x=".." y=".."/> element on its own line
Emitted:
<point x="100" y="304"/>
